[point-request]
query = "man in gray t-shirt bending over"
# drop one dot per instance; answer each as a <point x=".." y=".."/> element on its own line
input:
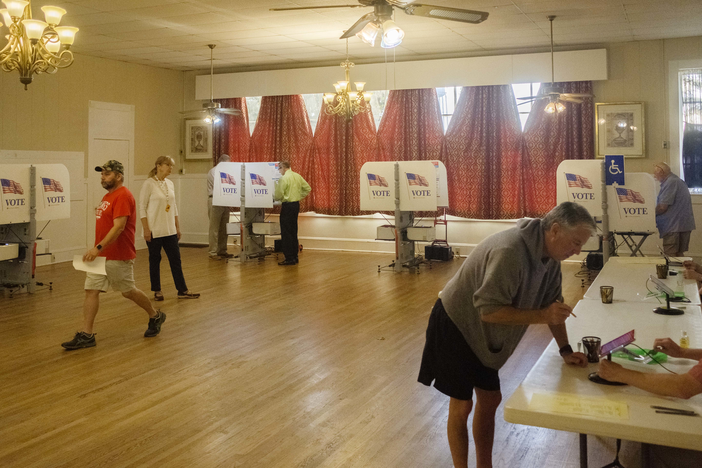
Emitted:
<point x="510" y="280"/>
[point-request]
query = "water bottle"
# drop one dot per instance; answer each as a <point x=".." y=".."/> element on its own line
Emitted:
<point x="684" y="340"/>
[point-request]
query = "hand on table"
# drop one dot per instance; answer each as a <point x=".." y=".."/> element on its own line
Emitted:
<point x="609" y="370"/>
<point x="667" y="346"/>
<point x="576" y="359"/>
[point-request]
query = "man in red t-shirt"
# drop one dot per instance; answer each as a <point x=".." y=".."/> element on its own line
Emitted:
<point x="115" y="225"/>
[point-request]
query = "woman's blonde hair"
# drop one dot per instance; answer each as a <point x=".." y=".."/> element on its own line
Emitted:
<point x="161" y="160"/>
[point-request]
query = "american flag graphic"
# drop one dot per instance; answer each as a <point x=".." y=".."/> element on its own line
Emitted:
<point x="227" y="178"/>
<point x="416" y="179"/>
<point x="51" y="185"/>
<point x="574" y="180"/>
<point x="257" y="179"/>
<point x="10" y="186"/>
<point x="631" y="196"/>
<point x="377" y="180"/>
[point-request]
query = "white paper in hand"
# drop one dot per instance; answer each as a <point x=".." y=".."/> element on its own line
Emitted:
<point x="97" y="266"/>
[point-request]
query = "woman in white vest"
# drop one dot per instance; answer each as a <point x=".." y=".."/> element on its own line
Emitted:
<point x="159" y="217"/>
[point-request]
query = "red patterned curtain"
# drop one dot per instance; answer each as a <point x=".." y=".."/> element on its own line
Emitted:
<point x="342" y="146"/>
<point x="231" y="135"/>
<point x="411" y="128"/>
<point x="483" y="155"/>
<point x="283" y="133"/>
<point x="551" y="138"/>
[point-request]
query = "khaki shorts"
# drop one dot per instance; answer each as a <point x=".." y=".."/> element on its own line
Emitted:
<point x="120" y="276"/>
<point x="676" y="242"/>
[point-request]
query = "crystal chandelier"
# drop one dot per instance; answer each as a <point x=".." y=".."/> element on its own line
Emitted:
<point x="34" y="46"/>
<point x="347" y="102"/>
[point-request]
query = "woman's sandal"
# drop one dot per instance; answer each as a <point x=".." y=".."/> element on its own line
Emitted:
<point x="158" y="296"/>
<point x="188" y="295"/>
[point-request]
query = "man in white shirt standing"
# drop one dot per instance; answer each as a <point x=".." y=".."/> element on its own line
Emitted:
<point x="219" y="216"/>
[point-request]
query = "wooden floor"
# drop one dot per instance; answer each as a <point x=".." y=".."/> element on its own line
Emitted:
<point x="313" y="365"/>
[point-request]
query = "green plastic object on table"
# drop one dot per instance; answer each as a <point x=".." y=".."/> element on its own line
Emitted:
<point x="657" y="355"/>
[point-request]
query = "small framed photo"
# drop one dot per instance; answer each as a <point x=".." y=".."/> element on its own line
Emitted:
<point x="619" y="128"/>
<point x="198" y="139"/>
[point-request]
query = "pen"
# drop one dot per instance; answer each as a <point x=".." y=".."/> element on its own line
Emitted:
<point x="571" y="312"/>
<point x="676" y="413"/>
<point x="673" y="410"/>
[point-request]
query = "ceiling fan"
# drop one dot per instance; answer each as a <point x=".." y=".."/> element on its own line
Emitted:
<point x="212" y="109"/>
<point x="552" y="91"/>
<point x="379" y="22"/>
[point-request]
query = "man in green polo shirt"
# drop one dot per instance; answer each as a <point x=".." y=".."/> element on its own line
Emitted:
<point x="290" y="189"/>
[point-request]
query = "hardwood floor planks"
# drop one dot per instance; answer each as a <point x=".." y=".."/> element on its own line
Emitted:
<point x="307" y="366"/>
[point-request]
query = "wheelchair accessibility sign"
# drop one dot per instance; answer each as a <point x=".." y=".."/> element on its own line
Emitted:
<point x="614" y="170"/>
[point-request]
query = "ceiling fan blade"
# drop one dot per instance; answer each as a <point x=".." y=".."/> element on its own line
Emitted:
<point x="193" y="112"/>
<point x="358" y="25"/>
<point x="229" y="111"/>
<point x="577" y="95"/>
<point x="317" y="7"/>
<point x="531" y="98"/>
<point x="566" y="98"/>
<point x="446" y="13"/>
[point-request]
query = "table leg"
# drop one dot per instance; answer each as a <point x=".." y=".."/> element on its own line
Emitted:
<point x="645" y="455"/>
<point x="583" y="450"/>
<point x="637" y="249"/>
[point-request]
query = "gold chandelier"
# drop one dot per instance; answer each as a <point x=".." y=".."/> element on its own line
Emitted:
<point x="35" y="46"/>
<point x="344" y="101"/>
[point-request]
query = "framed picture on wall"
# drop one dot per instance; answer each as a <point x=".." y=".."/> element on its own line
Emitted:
<point x="619" y="128"/>
<point x="198" y="139"/>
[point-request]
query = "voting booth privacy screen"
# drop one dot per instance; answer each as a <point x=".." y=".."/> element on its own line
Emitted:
<point x="53" y="193"/>
<point x="631" y="207"/>
<point x="422" y="186"/>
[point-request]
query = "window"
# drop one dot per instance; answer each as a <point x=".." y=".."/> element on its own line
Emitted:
<point x="524" y="90"/>
<point x="377" y="102"/>
<point x="448" y="97"/>
<point x="313" y="103"/>
<point x="253" y="105"/>
<point x="691" y="101"/>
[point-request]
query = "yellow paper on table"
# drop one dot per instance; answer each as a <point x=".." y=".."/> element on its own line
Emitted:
<point x="570" y="404"/>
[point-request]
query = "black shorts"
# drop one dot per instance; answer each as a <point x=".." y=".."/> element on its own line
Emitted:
<point x="449" y="362"/>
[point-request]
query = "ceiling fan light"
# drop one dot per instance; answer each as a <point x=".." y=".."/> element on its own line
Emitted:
<point x="392" y="35"/>
<point x="369" y="33"/>
<point x="208" y="119"/>
<point x="216" y="119"/>
<point x="550" y="108"/>
<point x="560" y="107"/>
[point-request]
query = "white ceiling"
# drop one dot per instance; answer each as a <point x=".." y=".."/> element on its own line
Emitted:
<point x="174" y="33"/>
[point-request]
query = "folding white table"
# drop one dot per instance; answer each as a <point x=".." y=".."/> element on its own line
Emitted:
<point x="629" y="276"/>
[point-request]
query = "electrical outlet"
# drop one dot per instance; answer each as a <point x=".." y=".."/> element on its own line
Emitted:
<point x="666" y="144"/>
<point x="457" y="251"/>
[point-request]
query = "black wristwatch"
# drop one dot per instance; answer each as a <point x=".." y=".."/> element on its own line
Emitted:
<point x="567" y="349"/>
<point x="99" y="246"/>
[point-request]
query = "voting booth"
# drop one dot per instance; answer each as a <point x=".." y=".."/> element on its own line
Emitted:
<point x="404" y="187"/>
<point x="629" y="208"/>
<point x="30" y="193"/>
<point x="250" y="187"/>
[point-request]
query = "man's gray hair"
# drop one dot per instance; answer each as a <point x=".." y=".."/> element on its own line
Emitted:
<point x="224" y="158"/>
<point x="569" y="215"/>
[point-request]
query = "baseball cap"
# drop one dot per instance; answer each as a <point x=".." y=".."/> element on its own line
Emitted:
<point x="111" y="165"/>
